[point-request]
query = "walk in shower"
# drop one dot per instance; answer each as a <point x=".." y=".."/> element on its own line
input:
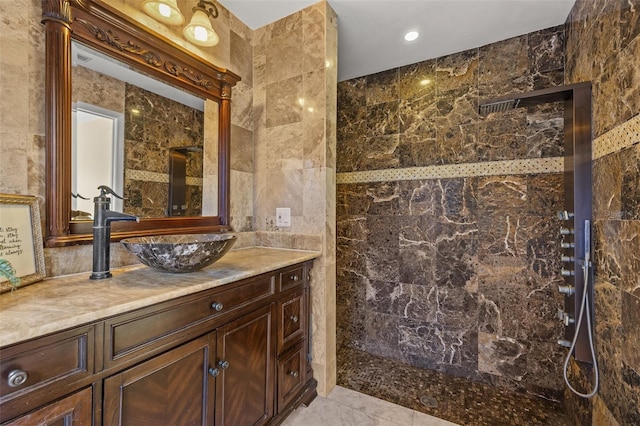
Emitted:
<point x="449" y="251"/>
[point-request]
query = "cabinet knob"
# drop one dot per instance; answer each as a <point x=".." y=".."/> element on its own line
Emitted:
<point x="223" y="364"/>
<point x="294" y="318"/>
<point x="294" y="277"/>
<point x="214" y="372"/>
<point x="293" y="373"/>
<point x="16" y="378"/>
<point x="217" y="306"/>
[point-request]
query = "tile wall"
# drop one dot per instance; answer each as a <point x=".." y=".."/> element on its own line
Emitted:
<point x="603" y="46"/>
<point x="294" y="110"/>
<point x="447" y="249"/>
<point x="260" y="119"/>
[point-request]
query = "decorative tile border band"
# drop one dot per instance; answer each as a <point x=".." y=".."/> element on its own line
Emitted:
<point x="491" y="168"/>
<point x="147" y="176"/>
<point x="618" y="138"/>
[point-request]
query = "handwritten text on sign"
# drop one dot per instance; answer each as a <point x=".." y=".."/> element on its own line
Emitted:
<point x="16" y="238"/>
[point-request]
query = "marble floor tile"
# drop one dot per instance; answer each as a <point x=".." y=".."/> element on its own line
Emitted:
<point x="344" y="407"/>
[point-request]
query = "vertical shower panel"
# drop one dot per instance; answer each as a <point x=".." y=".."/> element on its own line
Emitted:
<point x="578" y="194"/>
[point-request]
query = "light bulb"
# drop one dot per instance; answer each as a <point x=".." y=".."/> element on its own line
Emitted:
<point x="200" y="33"/>
<point x="164" y="10"/>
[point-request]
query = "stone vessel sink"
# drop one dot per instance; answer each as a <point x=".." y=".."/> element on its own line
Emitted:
<point x="180" y="253"/>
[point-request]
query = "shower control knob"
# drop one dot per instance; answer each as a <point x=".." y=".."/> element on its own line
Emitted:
<point x="568" y="259"/>
<point x="566" y="289"/>
<point x="567" y="273"/>
<point x="567" y="231"/>
<point x="567" y="245"/>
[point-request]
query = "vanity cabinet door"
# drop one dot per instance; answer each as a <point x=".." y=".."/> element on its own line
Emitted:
<point x="245" y="386"/>
<point x="72" y="410"/>
<point x="174" y="388"/>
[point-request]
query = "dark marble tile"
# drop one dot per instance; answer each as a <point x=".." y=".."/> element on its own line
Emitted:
<point x="546" y="195"/>
<point x="352" y="199"/>
<point x="381" y="153"/>
<point x="504" y="68"/>
<point x="458" y="70"/>
<point x="384" y="199"/>
<point x="546" y="50"/>
<point x="630" y="191"/>
<point x="351" y="93"/>
<point x="382" y="119"/>
<point x="617" y="259"/>
<point x="545" y="131"/>
<point x="382" y="87"/>
<point x="458" y="106"/>
<point x="417" y="80"/>
<point x="452" y="350"/>
<point x="456" y="262"/>
<point x="417" y="150"/>
<point x="456" y="144"/>
<point x="607" y="187"/>
<point x="418" y="115"/>
<point x="631" y="332"/>
<point x="503" y="136"/>
<point x="629" y="22"/>
<point x="351" y="291"/>
<point x="381" y="333"/>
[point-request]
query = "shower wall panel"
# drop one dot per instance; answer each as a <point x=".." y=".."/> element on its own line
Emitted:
<point x="457" y="272"/>
<point x="603" y="45"/>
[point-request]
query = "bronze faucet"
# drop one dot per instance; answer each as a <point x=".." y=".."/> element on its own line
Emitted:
<point x="102" y="219"/>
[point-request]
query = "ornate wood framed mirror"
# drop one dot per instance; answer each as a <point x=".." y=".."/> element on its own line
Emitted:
<point x="104" y="29"/>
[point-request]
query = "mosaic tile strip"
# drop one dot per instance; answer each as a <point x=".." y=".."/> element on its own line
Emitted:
<point x="618" y="138"/>
<point x="148" y="176"/>
<point x="491" y="168"/>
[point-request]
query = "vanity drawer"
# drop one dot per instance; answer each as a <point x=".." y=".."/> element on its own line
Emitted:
<point x="159" y="325"/>
<point x="292" y="319"/>
<point x="56" y="360"/>
<point x="292" y="278"/>
<point x="291" y="374"/>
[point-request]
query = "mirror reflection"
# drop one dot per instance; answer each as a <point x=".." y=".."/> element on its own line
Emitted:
<point x="139" y="136"/>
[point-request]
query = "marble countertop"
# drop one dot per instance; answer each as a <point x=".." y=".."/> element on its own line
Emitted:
<point x="68" y="301"/>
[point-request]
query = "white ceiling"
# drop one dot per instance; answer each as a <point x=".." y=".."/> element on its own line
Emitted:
<point x="370" y="32"/>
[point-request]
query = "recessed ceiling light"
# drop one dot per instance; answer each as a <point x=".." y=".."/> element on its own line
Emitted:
<point x="411" y="35"/>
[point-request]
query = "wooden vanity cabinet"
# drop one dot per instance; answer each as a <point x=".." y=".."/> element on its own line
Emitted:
<point x="233" y="355"/>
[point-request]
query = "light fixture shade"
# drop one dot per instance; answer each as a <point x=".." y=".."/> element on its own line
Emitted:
<point x="199" y="31"/>
<point x="165" y="11"/>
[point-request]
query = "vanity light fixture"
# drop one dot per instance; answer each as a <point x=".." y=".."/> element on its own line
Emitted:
<point x="166" y="11"/>
<point x="199" y="30"/>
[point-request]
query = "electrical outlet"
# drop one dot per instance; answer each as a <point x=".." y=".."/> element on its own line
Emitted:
<point x="283" y="217"/>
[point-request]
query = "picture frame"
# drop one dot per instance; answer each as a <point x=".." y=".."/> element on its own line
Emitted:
<point x="21" y="239"/>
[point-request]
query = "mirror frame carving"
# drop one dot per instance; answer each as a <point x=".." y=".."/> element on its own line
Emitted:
<point x="105" y="29"/>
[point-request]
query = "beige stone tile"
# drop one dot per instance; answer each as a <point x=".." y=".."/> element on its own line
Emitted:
<point x="241" y="201"/>
<point x="372" y="406"/>
<point x="284" y="102"/>
<point x="241" y="149"/>
<point x="313" y="143"/>
<point x="421" y="419"/>
<point x="280" y="148"/>
<point x="242" y="105"/>
<point x="284" y="49"/>
<point x="322" y="412"/>
<point x="313" y="34"/>
<point x="242" y="57"/>
<point x="314" y="95"/>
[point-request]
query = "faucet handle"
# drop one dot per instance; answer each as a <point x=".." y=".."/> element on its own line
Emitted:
<point x="104" y="190"/>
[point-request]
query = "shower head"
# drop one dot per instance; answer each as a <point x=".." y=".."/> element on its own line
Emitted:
<point x="499" y="106"/>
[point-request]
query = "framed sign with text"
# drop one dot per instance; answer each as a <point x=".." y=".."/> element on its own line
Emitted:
<point x="21" y="239"/>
